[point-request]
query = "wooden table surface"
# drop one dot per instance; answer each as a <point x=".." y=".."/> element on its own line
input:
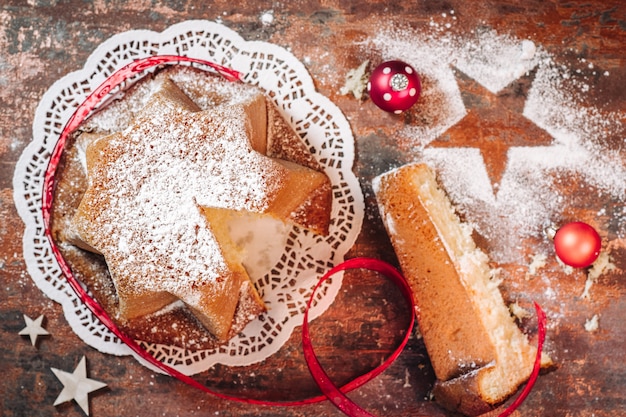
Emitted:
<point x="42" y="40"/>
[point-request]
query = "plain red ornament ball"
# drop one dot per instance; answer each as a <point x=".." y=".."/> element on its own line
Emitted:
<point x="394" y="86"/>
<point x="577" y="244"/>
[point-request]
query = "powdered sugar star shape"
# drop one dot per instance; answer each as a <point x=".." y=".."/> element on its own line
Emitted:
<point x="528" y="193"/>
<point x="34" y="328"/>
<point x="500" y="121"/>
<point x="76" y="386"/>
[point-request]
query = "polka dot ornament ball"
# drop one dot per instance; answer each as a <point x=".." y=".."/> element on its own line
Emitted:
<point x="394" y="86"/>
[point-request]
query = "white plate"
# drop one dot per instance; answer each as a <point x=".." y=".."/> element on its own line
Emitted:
<point x="321" y="124"/>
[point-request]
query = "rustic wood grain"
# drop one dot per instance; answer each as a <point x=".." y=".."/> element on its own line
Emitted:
<point x="42" y="40"/>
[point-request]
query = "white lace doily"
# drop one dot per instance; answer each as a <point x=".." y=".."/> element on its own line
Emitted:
<point x="306" y="257"/>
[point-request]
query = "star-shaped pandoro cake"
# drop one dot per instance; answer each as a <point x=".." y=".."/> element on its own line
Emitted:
<point x="161" y="194"/>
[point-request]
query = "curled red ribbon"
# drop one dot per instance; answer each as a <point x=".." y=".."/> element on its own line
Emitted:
<point x="330" y="391"/>
<point x="334" y="394"/>
<point x="337" y="396"/>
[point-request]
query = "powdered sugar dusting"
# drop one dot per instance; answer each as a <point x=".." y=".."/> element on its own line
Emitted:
<point x="528" y="197"/>
<point x="155" y="178"/>
<point x="205" y="91"/>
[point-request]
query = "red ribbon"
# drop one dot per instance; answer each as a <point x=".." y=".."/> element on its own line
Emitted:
<point x="541" y="336"/>
<point x="336" y="395"/>
<point x="330" y="391"/>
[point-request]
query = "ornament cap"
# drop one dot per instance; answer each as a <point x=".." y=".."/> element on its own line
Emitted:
<point x="550" y="231"/>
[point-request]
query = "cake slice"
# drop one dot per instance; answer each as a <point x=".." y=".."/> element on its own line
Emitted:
<point x="479" y="355"/>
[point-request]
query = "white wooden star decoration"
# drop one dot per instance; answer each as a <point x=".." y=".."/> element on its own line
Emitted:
<point x="33" y="328"/>
<point x="76" y="386"/>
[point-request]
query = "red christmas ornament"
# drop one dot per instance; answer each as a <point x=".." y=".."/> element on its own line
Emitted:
<point x="394" y="86"/>
<point x="577" y="244"/>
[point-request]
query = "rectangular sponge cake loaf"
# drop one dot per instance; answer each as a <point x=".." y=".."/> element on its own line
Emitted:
<point x="479" y="355"/>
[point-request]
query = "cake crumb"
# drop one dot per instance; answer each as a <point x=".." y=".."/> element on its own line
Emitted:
<point x="528" y="50"/>
<point x="537" y="262"/>
<point x="600" y="266"/>
<point x="518" y="311"/>
<point x="356" y="80"/>
<point x="591" y="325"/>
<point x="407" y="384"/>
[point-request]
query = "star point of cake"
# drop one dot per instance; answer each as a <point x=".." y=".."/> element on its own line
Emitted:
<point x="161" y="192"/>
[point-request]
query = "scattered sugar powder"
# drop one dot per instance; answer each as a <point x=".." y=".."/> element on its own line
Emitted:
<point x="206" y="90"/>
<point x="528" y="198"/>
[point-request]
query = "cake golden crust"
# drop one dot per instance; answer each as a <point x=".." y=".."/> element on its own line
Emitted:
<point x="463" y="394"/>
